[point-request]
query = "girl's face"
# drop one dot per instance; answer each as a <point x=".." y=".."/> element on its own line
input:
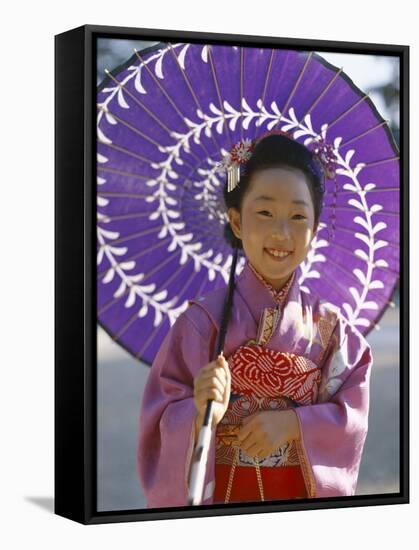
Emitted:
<point x="277" y="215"/>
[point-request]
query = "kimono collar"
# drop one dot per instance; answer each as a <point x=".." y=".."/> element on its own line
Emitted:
<point x="259" y="294"/>
<point x="280" y="295"/>
<point x="293" y="331"/>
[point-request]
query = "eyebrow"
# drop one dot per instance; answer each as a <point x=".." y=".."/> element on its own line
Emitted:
<point x="267" y="198"/>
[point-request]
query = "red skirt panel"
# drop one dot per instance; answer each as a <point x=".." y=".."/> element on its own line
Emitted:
<point x="284" y="482"/>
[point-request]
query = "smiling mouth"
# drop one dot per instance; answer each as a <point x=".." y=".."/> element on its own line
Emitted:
<point x="278" y="254"/>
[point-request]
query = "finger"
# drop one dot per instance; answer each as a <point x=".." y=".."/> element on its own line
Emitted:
<point x="253" y="449"/>
<point x="264" y="453"/>
<point x="211" y="393"/>
<point x="214" y="383"/>
<point x="222" y="361"/>
<point x="248" y="423"/>
<point x="245" y="438"/>
<point x="225" y="369"/>
<point x="205" y="390"/>
<point x="219" y="372"/>
<point x="213" y="369"/>
<point x="213" y="379"/>
<point x="209" y="367"/>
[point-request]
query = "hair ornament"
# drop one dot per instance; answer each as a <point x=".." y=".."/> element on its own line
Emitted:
<point x="324" y="154"/>
<point x="238" y="155"/>
<point x="241" y="152"/>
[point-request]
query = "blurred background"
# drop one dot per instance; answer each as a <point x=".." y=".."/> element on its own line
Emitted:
<point x="121" y="378"/>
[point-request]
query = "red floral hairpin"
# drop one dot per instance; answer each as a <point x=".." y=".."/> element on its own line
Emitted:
<point x="239" y="154"/>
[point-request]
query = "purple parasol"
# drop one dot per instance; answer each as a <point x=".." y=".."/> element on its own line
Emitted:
<point x="164" y="121"/>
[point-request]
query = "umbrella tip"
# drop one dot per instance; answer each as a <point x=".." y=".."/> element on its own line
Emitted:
<point x="106" y="71"/>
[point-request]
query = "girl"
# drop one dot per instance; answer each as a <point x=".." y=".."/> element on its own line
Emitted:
<point x="291" y="400"/>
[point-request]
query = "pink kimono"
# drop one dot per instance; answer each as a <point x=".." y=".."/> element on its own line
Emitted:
<point x="333" y="428"/>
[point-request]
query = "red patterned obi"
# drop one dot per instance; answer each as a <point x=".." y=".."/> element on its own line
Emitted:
<point x="262" y="379"/>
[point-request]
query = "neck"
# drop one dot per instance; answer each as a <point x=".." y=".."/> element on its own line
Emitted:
<point x="278" y="286"/>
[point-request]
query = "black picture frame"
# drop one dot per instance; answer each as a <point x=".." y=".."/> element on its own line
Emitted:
<point x="75" y="283"/>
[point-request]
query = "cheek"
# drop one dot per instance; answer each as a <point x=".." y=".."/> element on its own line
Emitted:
<point x="305" y="234"/>
<point x="253" y="230"/>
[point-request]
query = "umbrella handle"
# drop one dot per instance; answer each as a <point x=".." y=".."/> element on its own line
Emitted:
<point x="199" y="462"/>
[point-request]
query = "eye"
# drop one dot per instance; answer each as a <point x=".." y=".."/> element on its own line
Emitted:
<point x="264" y="213"/>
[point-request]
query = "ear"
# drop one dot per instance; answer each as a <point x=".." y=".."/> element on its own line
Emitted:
<point x="314" y="232"/>
<point x="235" y="221"/>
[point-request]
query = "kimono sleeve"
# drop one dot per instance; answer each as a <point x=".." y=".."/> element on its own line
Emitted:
<point x="167" y="415"/>
<point x="333" y="430"/>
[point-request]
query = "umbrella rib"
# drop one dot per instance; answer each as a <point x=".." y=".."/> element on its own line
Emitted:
<point x="369" y="130"/>
<point x="137" y="255"/>
<point x="345" y="295"/>
<point x="335" y="286"/>
<point x="120" y="195"/>
<point x="131" y="127"/>
<point x="342" y="268"/>
<point x="125" y="195"/>
<point x="127" y="124"/>
<point x="135" y="315"/>
<point x="140" y="104"/>
<point x="140" y="176"/>
<point x="154" y="332"/>
<point x="134" y="256"/>
<point x="198" y="213"/>
<point x="140" y="133"/>
<point x="215" y="240"/>
<point x="330" y="124"/>
<point x="135" y="155"/>
<point x="375" y="190"/>
<point x="149" y="112"/>
<point x="265" y="87"/>
<point x="169" y="98"/>
<point x="300" y="76"/>
<point x="197" y="223"/>
<point x="125" y="327"/>
<point x="332" y="80"/>
<point x="133" y="235"/>
<point x="351" y="232"/>
<point x="375" y="266"/>
<point x="387" y="303"/>
<point x="127" y="216"/>
<point x="241" y="91"/>
<point x="214" y="75"/>
<point x="114" y="300"/>
<point x="382" y="161"/>
<point x="123" y="173"/>
<point x="188" y="83"/>
<point x="136" y="130"/>
<point x="354" y="209"/>
<point x="126" y="151"/>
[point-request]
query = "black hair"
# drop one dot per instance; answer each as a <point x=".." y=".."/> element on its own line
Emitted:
<point x="272" y="151"/>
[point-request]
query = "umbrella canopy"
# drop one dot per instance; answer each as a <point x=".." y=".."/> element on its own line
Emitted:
<point x="167" y="117"/>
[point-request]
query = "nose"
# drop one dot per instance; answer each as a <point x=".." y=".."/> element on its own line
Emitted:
<point x="280" y="230"/>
